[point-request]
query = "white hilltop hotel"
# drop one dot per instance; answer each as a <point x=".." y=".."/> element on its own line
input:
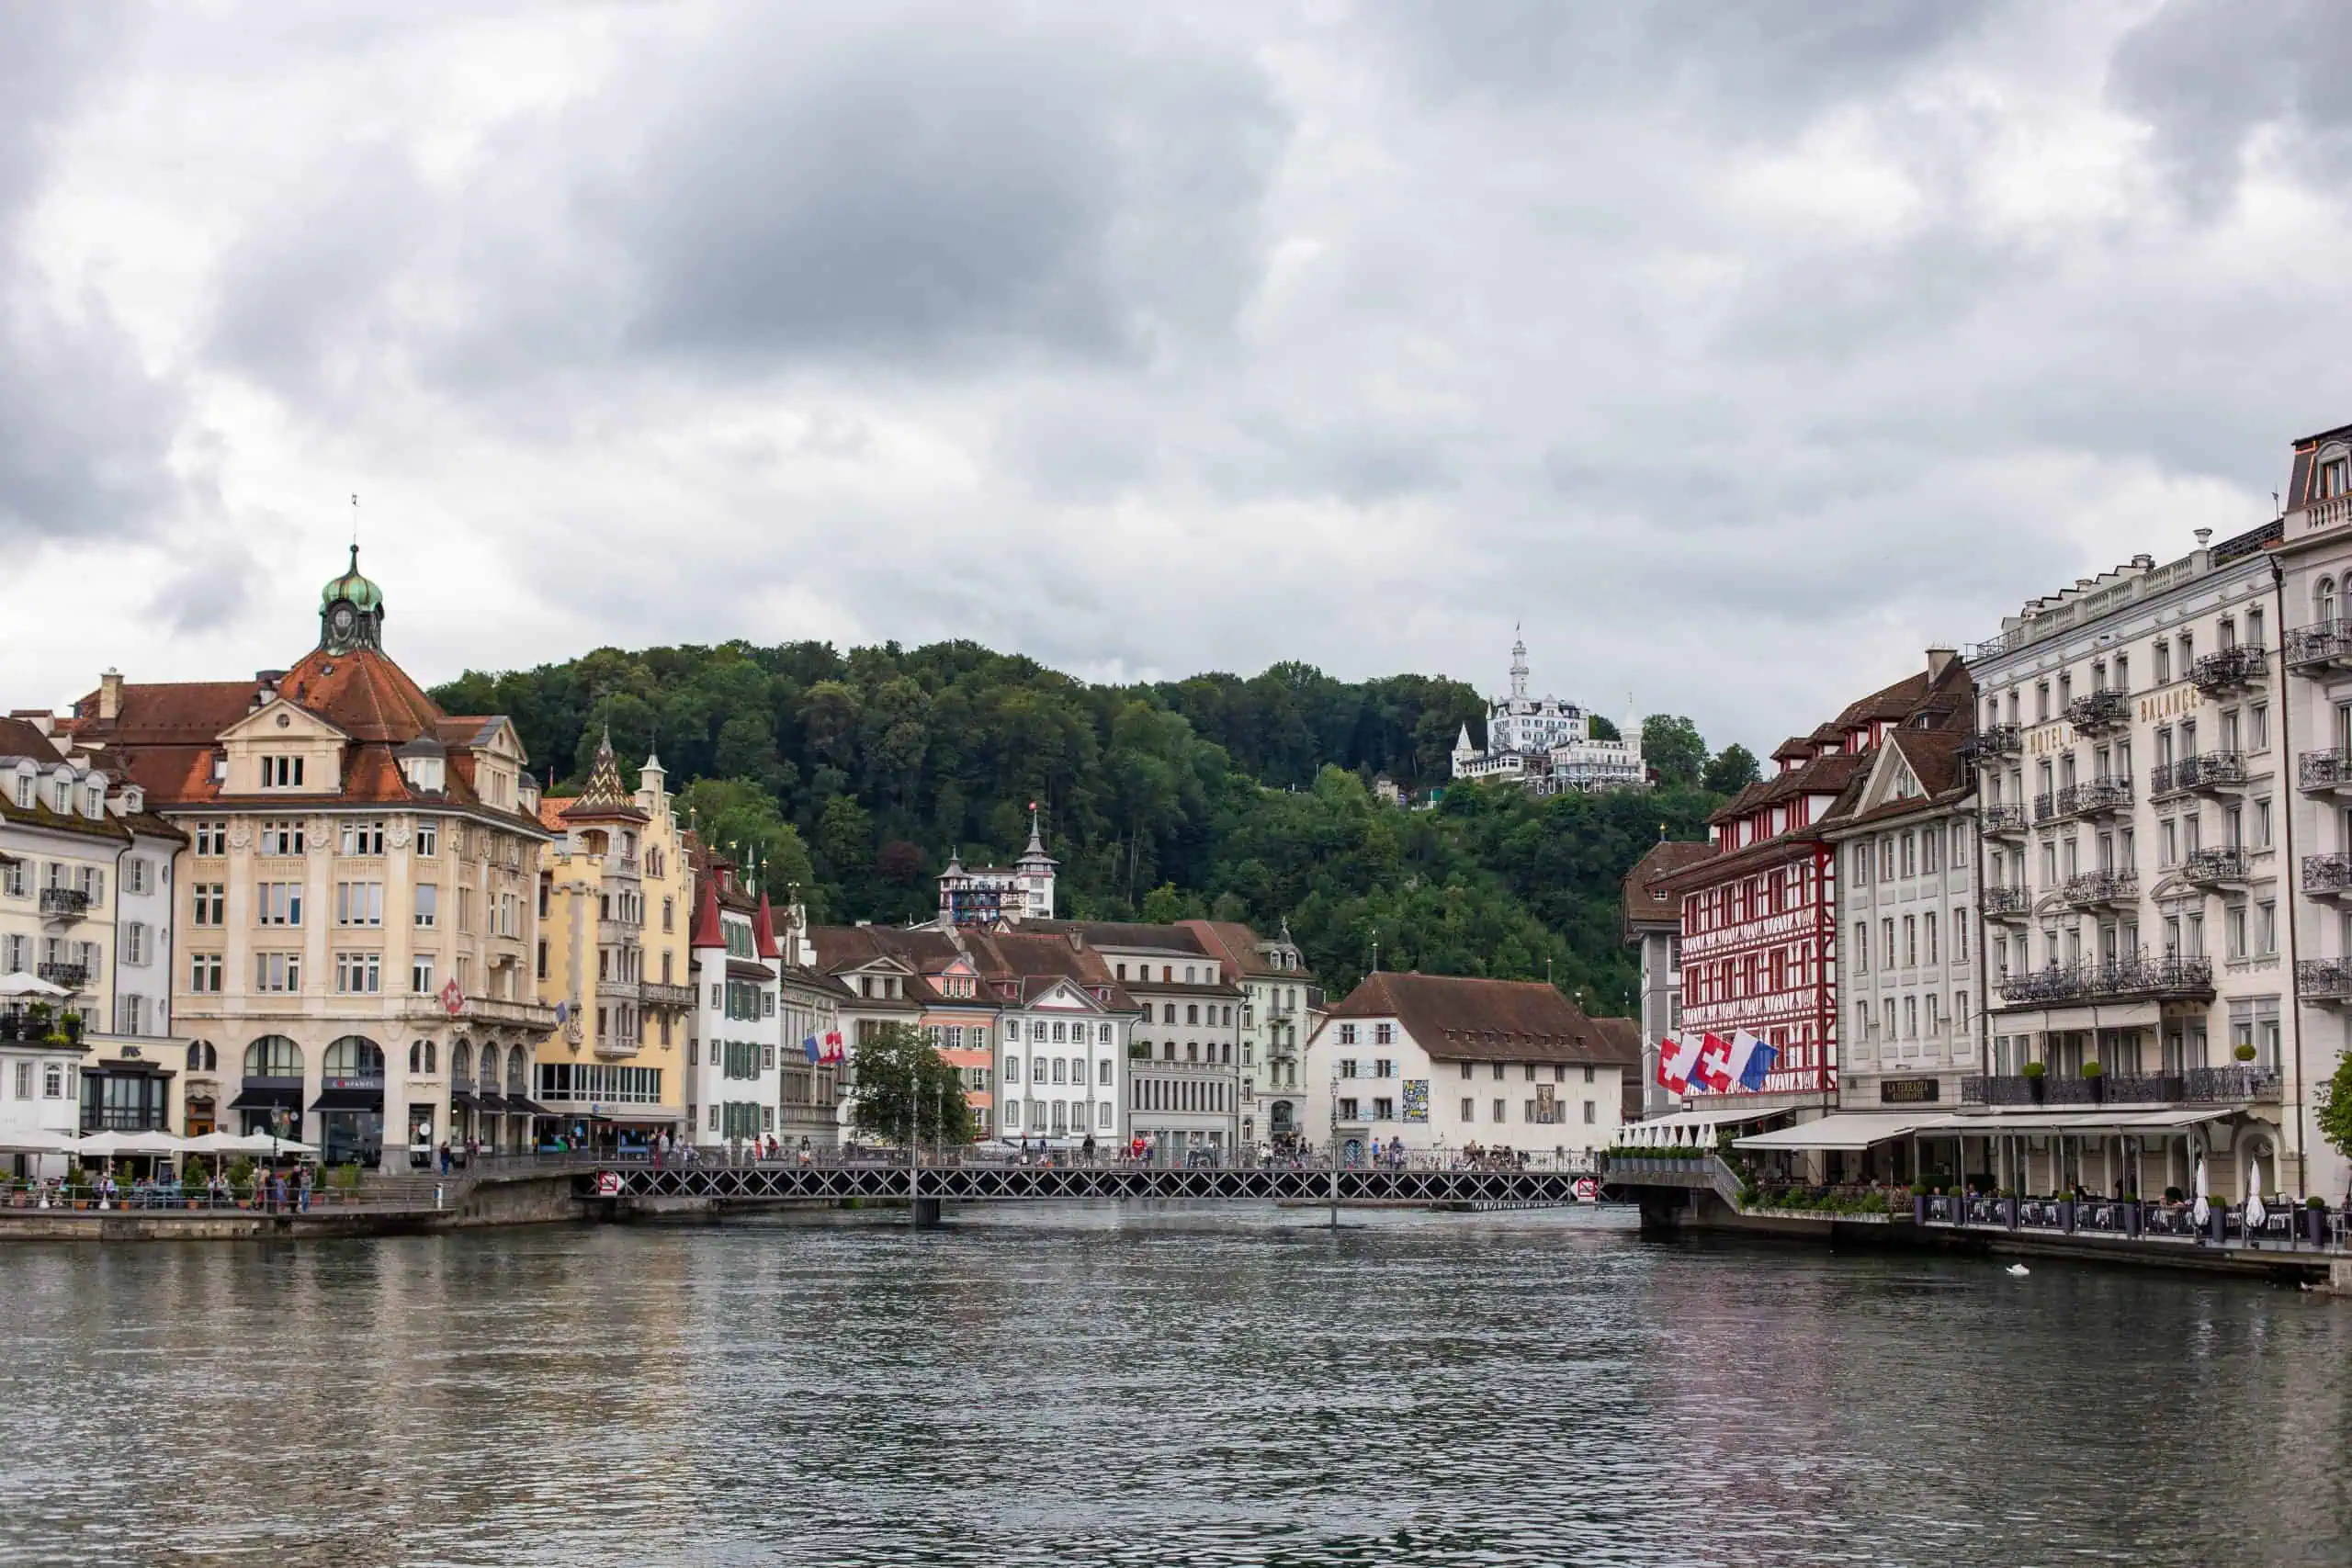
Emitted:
<point x="1547" y="744"/>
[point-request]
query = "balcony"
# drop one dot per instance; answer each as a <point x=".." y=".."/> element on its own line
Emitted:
<point x="2098" y="889"/>
<point x="2204" y="774"/>
<point x="2324" y="645"/>
<point x="2007" y="904"/>
<point x="2320" y="773"/>
<point x="2099" y="713"/>
<point x="2216" y="867"/>
<point x="2001" y="821"/>
<point x="2195" y="1086"/>
<point x="2124" y="979"/>
<point x="658" y="995"/>
<point x="2328" y="876"/>
<point x="73" y="977"/>
<point x="2094" y="797"/>
<point x="484" y="1010"/>
<point x="1988" y="746"/>
<point x="2230" y="669"/>
<point x="2326" y="980"/>
<point x="63" y="903"/>
<point x="617" y="991"/>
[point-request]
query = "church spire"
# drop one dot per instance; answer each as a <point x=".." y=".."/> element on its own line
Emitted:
<point x="1518" y="665"/>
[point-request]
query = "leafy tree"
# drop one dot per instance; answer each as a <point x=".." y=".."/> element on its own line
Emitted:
<point x="739" y="820"/>
<point x="902" y="1089"/>
<point x="1671" y="745"/>
<point x="1602" y="728"/>
<point x="2335" y="1107"/>
<point x="1730" y="770"/>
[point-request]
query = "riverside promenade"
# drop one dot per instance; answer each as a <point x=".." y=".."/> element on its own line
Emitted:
<point x="2299" y="1245"/>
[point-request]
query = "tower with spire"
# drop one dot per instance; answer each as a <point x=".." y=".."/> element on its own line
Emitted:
<point x="1546" y="744"/>
<point x="990" y="895"/>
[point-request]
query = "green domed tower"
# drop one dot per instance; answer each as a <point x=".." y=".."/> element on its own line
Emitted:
<point x="351" y="612"/>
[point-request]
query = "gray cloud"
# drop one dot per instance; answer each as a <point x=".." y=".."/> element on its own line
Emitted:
<point x="84" y="428"/>
<point x="1739" y="350"/>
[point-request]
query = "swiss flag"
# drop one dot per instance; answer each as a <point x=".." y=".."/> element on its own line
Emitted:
<point x="453" y="1000"/>
<point x="1714" y="1072"/>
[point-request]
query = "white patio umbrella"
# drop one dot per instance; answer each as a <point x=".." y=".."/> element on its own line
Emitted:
<point x="2256" y="1214"/>
<point x="106" y="1145"/>
<point x="37" y="1141"/>
<point x="20" y="984"/>
<point x="2201" y="1212"/>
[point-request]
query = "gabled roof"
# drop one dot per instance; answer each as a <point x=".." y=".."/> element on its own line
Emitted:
<point x="20" y="739"/>
<point x="1646" y="901"/>
<point x="708" y="931"/>
<point x="1130" y="934"/>
<point x="764" y="931"/>
<point x="1239" y="946"/>
<point x="1462" y="1019"/>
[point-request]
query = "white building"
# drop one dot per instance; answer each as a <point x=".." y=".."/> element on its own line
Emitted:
<point x="1184" y="1091"/>
<point x="1546" y="744"/>
<point x="1907" y="962"/>
<point x="1280" y="1006"/>
<point x="1443" y="1061"/>
<point x="2134" y="781"/>
<point x="987" y="895"/>
<point x="1654" y="926"/>
<point x="732" y="1053"/>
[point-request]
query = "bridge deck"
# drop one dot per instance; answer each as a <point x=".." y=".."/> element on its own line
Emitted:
<point x="968" y="1184"/>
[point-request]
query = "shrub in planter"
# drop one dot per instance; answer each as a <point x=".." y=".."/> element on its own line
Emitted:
<point x="2092" y="1070"/>
<point x="2034" y="1069"/>
<point x="2243" y="1053"/>
<point x="2175" y="1195"/>
<point x="1748" y="1197"/>
<point x="1921" y="1189"/>
<point x="2319" y="1203"/>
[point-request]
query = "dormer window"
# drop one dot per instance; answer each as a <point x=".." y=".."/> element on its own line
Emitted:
<point x="95" y="801"/>
<point x="2335" y="478"/>
<point x="26" y="790"/>
<point x="63" y="799"/>
<point x="281" y="773"/>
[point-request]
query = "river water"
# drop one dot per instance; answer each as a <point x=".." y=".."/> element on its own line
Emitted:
<point x="1103" y="1386"/>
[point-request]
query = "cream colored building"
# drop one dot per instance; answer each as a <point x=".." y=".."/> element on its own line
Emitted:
<point x="356" y="909"/>
<point x="614" y="909"/>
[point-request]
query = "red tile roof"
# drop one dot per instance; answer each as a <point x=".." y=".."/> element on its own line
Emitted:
<point x="1459" y="1017"/>
<point x="708" y="931"/>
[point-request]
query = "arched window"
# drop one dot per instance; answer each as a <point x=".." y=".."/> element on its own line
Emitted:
<point x="489" y="1069"/>
<point x="2324" y="599"/>
<point x="202" y="1057"/>
<point x="462" y="1064"/>
<point x="354" y="1056"/>
<point x="420" y="1056"/>
<point x="273" y="1056"/>
<point x="517" y="1068"/>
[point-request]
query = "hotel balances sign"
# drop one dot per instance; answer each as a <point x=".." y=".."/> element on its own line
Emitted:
<point x="1417" y="1099"/>
<point x="2170" y="703"/>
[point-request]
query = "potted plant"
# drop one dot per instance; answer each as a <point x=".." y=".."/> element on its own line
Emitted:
<point x="2316" y="1221"/>
<point x="72" y="1024"/>
<point x="2243" y="1052"/>
<point x="2094" y="1075"/>
<point x="2033" y="1072"/>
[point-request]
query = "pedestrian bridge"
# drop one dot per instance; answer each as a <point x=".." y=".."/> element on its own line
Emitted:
<point x="925" y="1185"/>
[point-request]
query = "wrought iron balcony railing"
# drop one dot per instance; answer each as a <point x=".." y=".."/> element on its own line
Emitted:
<point x="2093" y="796"/>
<point x="2138" y="979"/>
<point x="2206" y="771"/>
<point x="73" y="977"/>
<point x="2094" y="888"/>
<point x="2194" y="1085"/>
<point x="2005" y="903"/>
<point x="2323" y="979"/>
<point x="2214" y="867"/>
<point x="2001" y="821"/>
<point x="63" y="903"/>
<point x="2327" y="875"/>
<point x="2099" y="711"/>
<point x="2321" y="643"/>
<point x="2229" y="670"/>
<point x="2325" y="770"/>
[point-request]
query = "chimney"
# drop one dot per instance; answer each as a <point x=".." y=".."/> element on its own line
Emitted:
<point x="110" y="694"/>
<point x="1939" y="660"/>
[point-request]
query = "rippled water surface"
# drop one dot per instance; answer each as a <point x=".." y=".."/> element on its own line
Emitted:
<point x="1098" y="1386"/>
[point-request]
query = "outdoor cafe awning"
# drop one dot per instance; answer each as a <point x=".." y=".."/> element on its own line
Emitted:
<point x="1697" y="1121"/>
<point x="345" y="1098"/>
<point x="1847" y="1132"/>
<point x="256" y="1097"/>
<point x="518" y="1106"/>
<point x="2152" y="1122"/>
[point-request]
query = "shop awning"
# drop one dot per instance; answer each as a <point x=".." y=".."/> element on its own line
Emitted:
<point x="492" y="1102"/>
<point x="346" y="1098"/>
<point x="518" y="1106"/>
<point x="1697" y="1121"/>
<point x="2075" y="1120"/>
<point x="1845" y="1131"/>
<point x="256" y="1096"/>
<point x="464" y="1097"/>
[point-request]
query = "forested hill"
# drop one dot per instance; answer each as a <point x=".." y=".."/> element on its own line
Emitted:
<point x="852" y="777"/>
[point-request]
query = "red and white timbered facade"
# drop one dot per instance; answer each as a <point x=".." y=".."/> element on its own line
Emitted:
<point x="1760" y="916"/>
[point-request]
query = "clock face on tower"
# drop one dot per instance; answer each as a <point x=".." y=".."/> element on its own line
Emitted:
<point x="340" y="620"/>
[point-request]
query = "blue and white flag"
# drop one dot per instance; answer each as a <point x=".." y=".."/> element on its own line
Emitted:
<point x="1751" y="1061"/>
<point x="809" y="1046"/>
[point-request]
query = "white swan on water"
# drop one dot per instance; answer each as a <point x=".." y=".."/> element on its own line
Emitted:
<point x="2020" y="1270"/>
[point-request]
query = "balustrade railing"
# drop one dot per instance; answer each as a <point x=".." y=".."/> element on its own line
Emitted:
<point x="2328" y="873"/>
<point x="2001" y="821"/>
<point x="2227" y="862"/>
<point x="63" y="903"/>
<point x="2098" y="710"/>
<point x="2322" y="642"/>
<point x="2228" y="669"/>
<point x="2331" y="769"/>
<point x="2084" y="983"/>
<point x="2206" y="770"/>
<point x="2000" y="902"/>
<point x="2323" y="979"/>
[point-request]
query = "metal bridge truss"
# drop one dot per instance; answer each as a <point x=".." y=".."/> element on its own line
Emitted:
<point x="972" y="1184"/>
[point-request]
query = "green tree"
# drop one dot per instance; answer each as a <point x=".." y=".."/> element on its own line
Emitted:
<point x="739" y="819"/>
<point x="2335" y="1107"/>
<point x="1671" y="745"/>
<point x="1730" y="770"/>
<point x="1602" y="728"/>
<point x="900" y="1090"/>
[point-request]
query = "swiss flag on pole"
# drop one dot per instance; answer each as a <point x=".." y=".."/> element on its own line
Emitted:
<point x="1712" y="1073"/>
<point x="453" y="1000"/>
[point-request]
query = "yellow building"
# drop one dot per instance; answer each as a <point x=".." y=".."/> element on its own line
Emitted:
<point x="612" y="959"/>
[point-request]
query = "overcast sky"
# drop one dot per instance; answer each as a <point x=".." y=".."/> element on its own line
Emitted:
<point x="1740" y="352"/>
